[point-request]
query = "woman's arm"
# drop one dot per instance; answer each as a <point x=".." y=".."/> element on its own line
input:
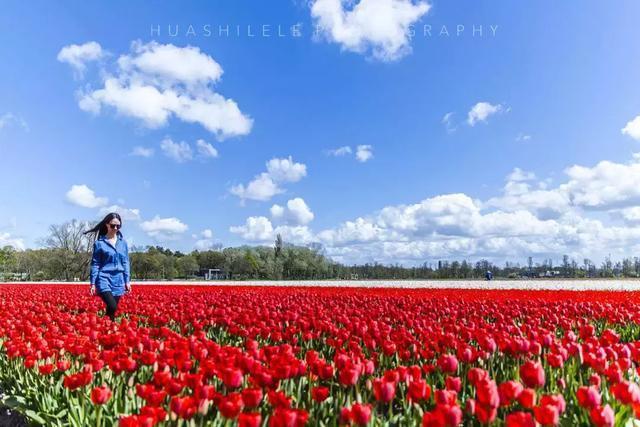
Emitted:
<point x="95" y="264"/>
<point x="126" y="264"/>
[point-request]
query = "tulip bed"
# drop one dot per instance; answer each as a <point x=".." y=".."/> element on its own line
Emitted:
<point x="251" y="356"/>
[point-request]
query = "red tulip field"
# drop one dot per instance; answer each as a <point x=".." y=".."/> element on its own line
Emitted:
<point x="273" y="356"/>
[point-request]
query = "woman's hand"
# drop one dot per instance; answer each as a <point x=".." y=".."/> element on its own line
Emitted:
<point x="92" y="291"/>
<point x="127" y="287"/>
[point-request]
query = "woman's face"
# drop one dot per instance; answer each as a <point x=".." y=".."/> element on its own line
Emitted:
<point x="113" y="226"/>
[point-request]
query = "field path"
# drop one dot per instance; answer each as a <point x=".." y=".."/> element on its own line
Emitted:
<point x="573" y="285"/>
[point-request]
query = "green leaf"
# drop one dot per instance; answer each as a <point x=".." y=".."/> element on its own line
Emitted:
<point x="61" y="414"/>
<point x="34" y="416"/>
<point x="14" y="402"/>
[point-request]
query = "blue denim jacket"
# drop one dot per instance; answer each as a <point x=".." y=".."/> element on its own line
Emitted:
<point x="109" y="259"/>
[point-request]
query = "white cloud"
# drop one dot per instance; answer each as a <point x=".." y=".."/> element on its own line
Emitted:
<point x="179" y="151"/>
<point x="481" y="112"/>
<point x="529" y="218"/>
<point x="340" y="151"/>
<point x="296" y="212"/>
<point x="142" y="152"/>
<point x="378" y="28"/>
<point x="351" y="232"/>
<point x="631" y="215"/>
<point x="267" y="184"/>
<point x="607" y="185"/>
<point x="447" y="121"/>
<point x="286" y="170"/>
<point x="171" y="64"/>
<point x="523" y="137"/>
<point x="296" y="234"/>
<point x="6" y="239"/>
<point x="277" y="211"/>
<point x="10" y="119"/>
<point x="83" y="196"/>
<point x="259" y="229"/>
<point x="205" y="149"/>
<point x="632" y="128"/>
<point x="256" y="228"/>
<point x="156" y="82"/>
<point x="204" y="240"/>
<point x="299" y="212"/>
<point x="126" y="213"/>
<point x="79" y="55"/>
<point x="261" y="188"/>
<point x="364" y="153"/>
<point x="163" y="229"/>
<point x="519" y="175"/>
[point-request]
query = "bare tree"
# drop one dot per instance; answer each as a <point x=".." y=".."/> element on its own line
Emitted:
<point x="72" y="248"/>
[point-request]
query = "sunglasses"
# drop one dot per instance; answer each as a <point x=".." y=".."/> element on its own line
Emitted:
<point x="115" y="226"/>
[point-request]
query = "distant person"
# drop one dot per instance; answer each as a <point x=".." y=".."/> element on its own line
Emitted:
<point x="110" y="273"/>
<point x="488" y="275"/>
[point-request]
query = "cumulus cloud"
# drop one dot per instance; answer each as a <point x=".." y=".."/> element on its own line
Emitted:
<point x="523" y="137"/>
<point x="142" y="151"/>
<point x="296" y="212"/>
<point x="261" y="188"/>
<point x="127" y="214"/>
<point x="163" y="229"/>
<point x="81" y="195"/>
<point x="9" y="119"/>
<point x="286" y="170"/>
<point x="267" y="184"/>
<point x="277" y="211"/>
<point x="376" y="28"/>
<point x="6" y="239"/>
<point x="364" y="153"/>
<point x="632" y="128"/>
<point x="179" y="151"/>
<point x="607" y="185"/>
<point x="156" y="82"/>
<point x="482" y="111"/>
<point x="79" y="55"/>
<point x="255" y="228"/>
<point x="447" y="121"/>
<point x="205" y="149"/>
<point x="204" y="241"/>
<point x="340" y="151"/>
<point x="528" y="218"/>
<point x="520" y="175"/>
<point x="259" y="229"/>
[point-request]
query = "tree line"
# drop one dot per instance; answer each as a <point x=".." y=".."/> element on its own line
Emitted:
<point x="66" y="254"/>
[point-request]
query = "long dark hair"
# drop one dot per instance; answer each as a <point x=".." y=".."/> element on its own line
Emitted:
<point x="101" y="228"/>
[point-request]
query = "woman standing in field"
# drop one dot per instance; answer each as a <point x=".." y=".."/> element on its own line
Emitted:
<point x="110" y="273"/>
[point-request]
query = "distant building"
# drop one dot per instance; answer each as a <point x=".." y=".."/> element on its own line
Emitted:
<point x="213" y="274"/>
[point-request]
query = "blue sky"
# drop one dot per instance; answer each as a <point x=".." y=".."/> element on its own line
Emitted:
<point x="554" y="86"/>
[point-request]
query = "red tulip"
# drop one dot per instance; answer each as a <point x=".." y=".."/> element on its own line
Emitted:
<point x="527" y="398"/>
<point x="319" y="394"/>
<point x="602" y="416"/>
<point x="547" y="415"/>
<point x="252" y="397"/>
<point x="100" y="395"/>
<point x="448" y="363"/>
<point x="519" y="419"/>
<point x="588" y="397"/>
<point x="360" y="414"/>
<point x="532" y="374"/>
<point x="249" y="420"/>
<point x="383" y="391"/>
<point x="419" y="390"/>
